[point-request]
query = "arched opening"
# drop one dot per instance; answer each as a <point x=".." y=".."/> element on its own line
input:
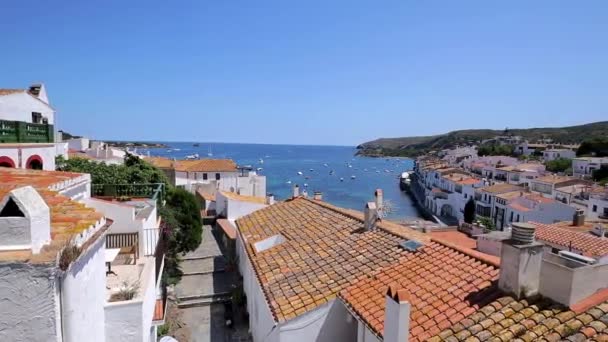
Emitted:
<point x="447" y="210"/>
<point x="34" y="162"/>
<point x="6" y="162"/>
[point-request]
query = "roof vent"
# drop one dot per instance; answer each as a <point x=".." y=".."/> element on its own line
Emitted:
<point x="410" y="245"/>
<point x="522" y="233"/>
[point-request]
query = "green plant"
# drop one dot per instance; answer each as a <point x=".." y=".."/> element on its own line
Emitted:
<point x="469" y="211"/>
<point x="163" y="330"/>
<point x="69" y="253"/>
<point x="559" y="165"/>
<point x="127" y="291"/>
<point x="486" y="222"/>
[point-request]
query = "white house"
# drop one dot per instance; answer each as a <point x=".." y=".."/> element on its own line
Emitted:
<point x="233" y="206"/>
<point x="548" y="186"/>
<point x="223" y="174"/>
<point x="556" y="153"/>
<point x="78" y="144"/>
<point x="524" y="206"/>
<point x="61" y="266"/>
<point x="522" y="174"/>
<point x="584" y="166"/>
<point x="598" y="203"/>
<point x="28" y="134"/>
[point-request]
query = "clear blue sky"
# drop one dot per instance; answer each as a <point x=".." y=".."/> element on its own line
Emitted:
<point x="308" y="72"/>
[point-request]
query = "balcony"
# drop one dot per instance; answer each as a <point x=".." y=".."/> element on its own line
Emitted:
<point x="23" y="132"/>
<point x="155" y="191"/>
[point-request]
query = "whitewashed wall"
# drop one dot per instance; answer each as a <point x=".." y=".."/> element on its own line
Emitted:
<point x="234" y="209"/>
<point x="327" y="323"/>
<point x="600" y="205"/>
<point x="364" y="334"/>
<point x="83" y="293"/>
<point x="19" y="107"/>
<point x="46" y="152"/>
<point x="29" y="303"/>
<point x="131" y="321"/>
<point x="78" y="144"/>
<point x="123" y="215"/>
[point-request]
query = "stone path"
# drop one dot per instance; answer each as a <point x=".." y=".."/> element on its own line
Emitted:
<point x="203" y="291"/>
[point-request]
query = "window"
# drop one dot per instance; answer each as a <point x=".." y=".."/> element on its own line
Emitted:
<point x="594" y="208"/>
<point x="511" y="219"/>
<point x="465" y="196"/>
<point x="517" y="217"/>
<point x="217" y="176"/>
<point x="204" y="176"/>
<point x="36" y="118"/>
<point x="605" y="211"/>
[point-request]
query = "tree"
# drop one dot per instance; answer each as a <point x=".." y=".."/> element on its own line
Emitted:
<point x="487" y="222"/>
<point x="469" y="211"/>
<point x="601" y="174"/>
<point x="495" y="150"/>
<point x="186" y="219"/>
<point x="558" y="165"/>
<point x="595" y="147"/>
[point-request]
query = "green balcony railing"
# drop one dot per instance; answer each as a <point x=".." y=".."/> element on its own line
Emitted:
<point x="155" y="191"/>
<point x="23" y="132"/>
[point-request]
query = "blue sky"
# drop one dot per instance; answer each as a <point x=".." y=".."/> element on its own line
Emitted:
<point x="308" y="72"/>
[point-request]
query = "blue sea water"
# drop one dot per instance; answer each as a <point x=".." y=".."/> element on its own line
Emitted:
<point x="281" y="163"/>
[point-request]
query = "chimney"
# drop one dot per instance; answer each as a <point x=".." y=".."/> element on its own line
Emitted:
<point x="296" y="191"/>
<point x="318" y="196"/>
<point x="578" y="219"/>
<point x="305" y="193"/>
<point x="379" y="199"/>
<point x="520" y="261"/>
<point x="397" y="315"/>
<point x="371" y="215"/>
<point x="269" y="199"/>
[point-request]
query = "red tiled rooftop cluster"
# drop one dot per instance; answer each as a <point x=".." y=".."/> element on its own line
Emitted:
<point x="585" y="242"/>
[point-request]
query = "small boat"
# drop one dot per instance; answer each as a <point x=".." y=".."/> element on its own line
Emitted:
<point x="305" y="185"/>
<point x="352" y="177"/>
<point x="300" y="173"/>
<point x="325" y="164"/>
<point x="331" y="172"/>
<point x="364" y="170"/>
<point x="307" y="177"/>
<point x="259" y="169"/>
<point x="311" y="170"/>
<point x="350" y="165"/>
<point x="192" y="156"/>
<point x="169" y="150"/>
<point x="289" y="182"/>
<point x="177" y="149"/>
<point x="196" y="145"/>
<point x="261" y="161"/>
<point x="341" y="179"/>
<point x="377" y="171"/>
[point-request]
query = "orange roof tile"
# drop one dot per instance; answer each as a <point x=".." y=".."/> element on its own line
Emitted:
<point x="456" y="237"/>
<point x="68" y="218"/>
<point x="501" y="188"/>
<point x="227" y="227"/>
<point x="587" y="243"/>
<point x="200" y="165"/>
<point x="10" y="91"/>
<point x="243" y="198"/>
<point x="444" y="285"/>
<point x="325" y="249"/>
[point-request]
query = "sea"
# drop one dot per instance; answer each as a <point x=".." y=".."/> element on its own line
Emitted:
<point x="351" y="184"/>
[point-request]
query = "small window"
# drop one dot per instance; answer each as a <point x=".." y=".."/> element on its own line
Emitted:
<point x="204" y="176"/>
<point x="594" y="208"/>
<point x="465" y="196"/>
<point x="36" y="118"/>
<point x="11" y="209"/>
<point x="217" y="176"/>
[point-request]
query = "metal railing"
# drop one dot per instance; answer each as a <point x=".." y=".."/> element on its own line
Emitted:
<point x="24" y="132"/>
<point x="155" y="191"/>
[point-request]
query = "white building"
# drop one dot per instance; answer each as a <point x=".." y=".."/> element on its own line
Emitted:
<point x="597" y="206"/>
<point x="78" y="144"/>
<point x="233" y="206"/>
<point x="524" y="206"/>
<point x="584" y="166"/>
<point x="522" y="174"/>
<point x="26" y="124"/>
<point x="223" y="174"/>
<point x="57" y="290"/>
<point x="548" y="186"/>
<point x="556" y="153"/>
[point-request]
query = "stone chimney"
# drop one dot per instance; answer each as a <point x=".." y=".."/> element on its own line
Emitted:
<point x="520" y="261"/>
<point x="318" y="196"/>
<point x="371" y="215"/>
<point x="379" y="199"/>
<point x="296" y="191"/>
<point x="269" y="199"/>
<point x="397" y="315"/>
<point x="578" y="219"/>
<point x="25" y="221"/>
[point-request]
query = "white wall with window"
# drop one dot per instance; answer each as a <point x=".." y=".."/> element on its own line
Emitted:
<point x="22" y="106"/>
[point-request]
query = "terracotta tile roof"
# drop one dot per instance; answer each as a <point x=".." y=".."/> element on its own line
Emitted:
<point x="10" y="91"/>
<point x="37" y="179"/>
<point x="555" y="179"/>
<point x="587" y="243"/>
<point x="325" y="249"/>
<point x="445" y="285"/>
<point x="68" y="218"/>
<point x="243" y="198"/>
<point x="227" y="227"/>
<point x="456" y="237"/>
<point x="507" y="319"/>
<point x="200" y="165"/>
<point x="501" y="188"/>
<point x="205" y="195"/>
<point x="519" y="207"/>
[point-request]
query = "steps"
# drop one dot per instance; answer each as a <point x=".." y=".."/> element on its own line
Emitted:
<point x="202" y="300"/>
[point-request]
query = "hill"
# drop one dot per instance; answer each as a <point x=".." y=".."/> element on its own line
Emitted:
<point x="415" y="146"/>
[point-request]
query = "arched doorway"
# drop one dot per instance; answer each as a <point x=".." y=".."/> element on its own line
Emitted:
<point x="447" y="210"/>
<point x="6" y="162"/>
<point x="34" y="162"/>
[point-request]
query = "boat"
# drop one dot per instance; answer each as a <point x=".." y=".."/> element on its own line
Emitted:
<point x="177" y="149"/>
<point x="305" y="185"/>
<point x="341" y="179"/>
<point x="325" y="164"/>
<point x="311" y="170"/>
<point x="259" y="169"/>
<point x="169" y="150"/>
<point x="196" y="144"/>
<point x="405" y="180"/>
<point x="192" y="156"/>
<point x="352" y="177"/>
<point x="331" y="172"/>
<point x="261" y="161"/>
<point x="209" y="152"/>
<point x="300" y="173"/>
<point x="288" y="182"/>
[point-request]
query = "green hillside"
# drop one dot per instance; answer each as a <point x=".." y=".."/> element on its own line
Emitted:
<point x="414" y="146"/>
